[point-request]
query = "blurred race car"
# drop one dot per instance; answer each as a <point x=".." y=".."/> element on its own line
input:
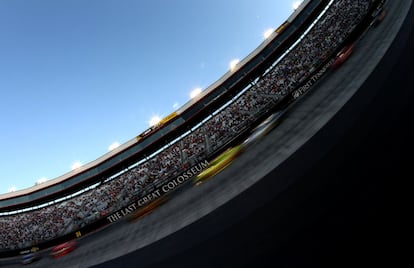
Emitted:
<point x="63" y="249"/>
<point x="264" y="128"/>
<point x="343" y="55"/>
<point x="219" y="163"/>
<point x="379" y="13"/>
<point x="30" y="258"/>
<point x="147" y="209"/>
<point x="379" y="18"/>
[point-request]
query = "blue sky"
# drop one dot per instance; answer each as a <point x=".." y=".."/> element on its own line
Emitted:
<point x="79" y="75"/>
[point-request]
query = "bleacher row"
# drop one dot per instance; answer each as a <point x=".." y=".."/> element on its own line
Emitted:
<point x="30" y="228"/>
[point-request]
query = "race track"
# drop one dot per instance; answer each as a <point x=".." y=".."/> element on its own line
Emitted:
<point x="313" y="185"/>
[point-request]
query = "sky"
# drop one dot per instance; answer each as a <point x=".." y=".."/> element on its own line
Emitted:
<point x="80" y="76"/>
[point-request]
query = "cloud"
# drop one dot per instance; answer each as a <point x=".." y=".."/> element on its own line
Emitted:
<point x="176" y="105"/>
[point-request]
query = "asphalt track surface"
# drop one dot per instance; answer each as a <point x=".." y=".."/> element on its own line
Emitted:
<point x="320" y="190"/>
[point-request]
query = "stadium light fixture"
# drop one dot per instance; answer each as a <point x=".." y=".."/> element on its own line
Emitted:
<point x="296" y="4"/>
<point x="268" y="33"/>
<point x="113" y="146"/>
<point x="12" y="189"/>
<point x="155" y="119"/>
<point x="233" y="64"/>
<point x="76" y="165"/>
<point x="41" y="180"/>
<point x="194" y="93"/>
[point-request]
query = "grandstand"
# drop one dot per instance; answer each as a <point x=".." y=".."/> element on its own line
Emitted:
<point x="192" y="112"/>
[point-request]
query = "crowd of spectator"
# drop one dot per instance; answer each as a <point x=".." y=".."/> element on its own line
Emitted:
<point x="30" y="228"/>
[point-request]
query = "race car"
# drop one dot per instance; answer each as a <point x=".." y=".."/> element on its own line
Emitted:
<point x="343" y="55"/>
<point x="219" y="163"/>
<point x="264" y="128"/>
<point x="63" y="249"/>
<point x="147" y="209"/>
<point x="379" y="18"/>
<point x="30" y="258"/>
<point x="379" y="13"/>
